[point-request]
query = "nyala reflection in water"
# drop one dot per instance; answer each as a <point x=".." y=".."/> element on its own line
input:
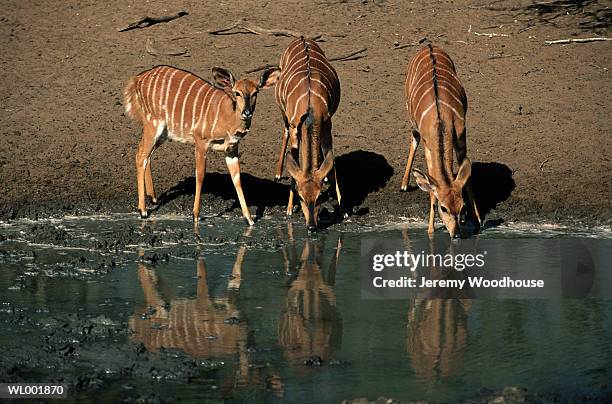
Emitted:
<point x="204" y="327"/>
<point x="437" y="327"/>
<point x="437" y="336"/>
<point x="310" y="329"/>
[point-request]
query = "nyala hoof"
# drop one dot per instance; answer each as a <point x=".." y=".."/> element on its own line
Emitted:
<point x="277" y="178"/>
<point x="144" y="214"/>
<point x="404" y="188"/>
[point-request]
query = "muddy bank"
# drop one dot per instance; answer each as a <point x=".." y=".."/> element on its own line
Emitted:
<point x="538" y="127"/>
<point x="507" y="395"/>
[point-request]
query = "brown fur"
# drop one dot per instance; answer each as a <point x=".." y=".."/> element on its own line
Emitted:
<point x="174" y="104"/>
<point x="308" y="94"/>
<point x="436" y="104"/>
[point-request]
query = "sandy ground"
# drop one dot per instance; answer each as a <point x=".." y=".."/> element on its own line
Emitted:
<point x="538" y="120"/>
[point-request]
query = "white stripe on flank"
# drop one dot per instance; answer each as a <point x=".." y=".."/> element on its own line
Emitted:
<point x="185" y="104"/>
<point x="325" y="63"/>
<point x="294" y="58"/>
<point x="165" y="104"/>
<point x="416" y="107"/>
<point x="161" y="90"/>
<point x="326" y="77"/>
<point x="320" y="96"/>
<point x="149" y="98"/>
<point x="445" y="57"/>
<point x="453" y="109"/>
<point x="321" y="83"/>
<point x="195" y="103"/>
<point x="445" y="82"/>
<point x="159" y="73"/>
<point x="288" y="80"/>
<point x="176" y="97"/>
<point x="141" y="90"/>
<point x="295" y="86"/>
<point x="212" y="128"/>
<point x="296" y="105"/>
<point x="316" y="51"/>
<point x="331" y="93"/>
<point x="453" y="74"/>
<point x="204" y="103"/>
<point x="415" y="91"/>
<point x="433" y="104"/>
<point x="425" y="76"/>
<point x="449" y="92"/>
<point x="312" y="69"/>
<point x="205" y="119"/>
<point x="287" y="53"/>
<point x="416" y="67"/>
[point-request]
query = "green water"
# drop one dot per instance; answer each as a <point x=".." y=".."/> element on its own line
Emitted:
<point x="278" y="315"/>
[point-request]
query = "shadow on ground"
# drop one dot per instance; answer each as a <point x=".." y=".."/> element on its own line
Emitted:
<point x="492" y="183"/>
<point x="258" y="192"/>
<point x="360" y="173"/>
<point x="589" y="14"/>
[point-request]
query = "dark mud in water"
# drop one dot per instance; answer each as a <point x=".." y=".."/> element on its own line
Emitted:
<point x="122" y="309"/>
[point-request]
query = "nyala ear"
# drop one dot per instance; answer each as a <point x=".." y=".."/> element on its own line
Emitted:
<point x="269" y="77"/>
<point x="292" y="167"/>
<point x="424" y="181"/>
<point x="326" y="167"/>
<point x="463" y="175"/>
<point x="223" y="79"/>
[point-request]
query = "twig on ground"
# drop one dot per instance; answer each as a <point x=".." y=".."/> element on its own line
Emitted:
<point x="351" y="56"/>
<point x="577" y="40"/>
<point x="242" y="24"/>
<point x="605" y="69"/>
<point x="150" y="48"/>
<point x="490" y="35"/>
<point x="406" y="45"/>
<point x="147" y="21"/>
<point x="499" y="56"/>
<point x="542" y="164"/>
<point x="343" y="58"/>
<point x="528" y="72"/>
<point x="256" y="69"/>
<point x="529" y="26"/>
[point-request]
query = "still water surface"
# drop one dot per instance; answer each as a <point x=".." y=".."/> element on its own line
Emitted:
<point x="278" y="316"/>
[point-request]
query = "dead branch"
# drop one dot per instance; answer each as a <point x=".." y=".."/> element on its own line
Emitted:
<point x="344" y="58"/>
<point x="406" y="45"/>
<point x="256" y="69"/>
<point x="243" y="25"/>
<point x="490" y="35"/>
<point x="577" y="40"/>
<point x="499" y="56"/>
<point x="351" y="56"/>
<point x="150" y="48"/>
<point x="148" y="21"/>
